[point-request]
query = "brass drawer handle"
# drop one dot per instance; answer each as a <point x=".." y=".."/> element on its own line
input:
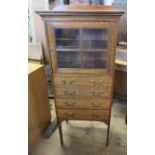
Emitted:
<point x="68" y="81"/>
<point x="97" y="81"/>
<point x="96" y="105"/>
<point x="97" y="93"/>
<point x="69" y="92"/>
<point x="92" y="81"/>
<point x="95" y="116"/>
<point x="69" y="115"/>
<point x="72" y="81"/>
<point x="101" y="81"/>
<point x="64" y="81"/>
<point x="69" y="104"/>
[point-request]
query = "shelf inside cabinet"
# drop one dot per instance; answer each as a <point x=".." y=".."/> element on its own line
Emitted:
<point x="60" y="44"/>
<point x="82" y="48"/>
<point x="100" y="44"/>
<point x="69" y="59"/>
<point x="67" y="38"/>
<point x="78" y="50"/>
<point x="94" y="60"/>
<point x="68" y="50"/>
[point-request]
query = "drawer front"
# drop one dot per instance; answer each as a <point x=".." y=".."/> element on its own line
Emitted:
<point x="69" y="114"/>
<point x="68" y="91"/>
<point x="83" y="103"/>
<point x="84" y="81"/>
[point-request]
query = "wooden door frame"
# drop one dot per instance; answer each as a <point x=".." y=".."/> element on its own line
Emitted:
<point x="79" y="25"/>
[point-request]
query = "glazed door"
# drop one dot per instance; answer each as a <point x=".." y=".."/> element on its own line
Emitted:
<point x="80" y="47"/>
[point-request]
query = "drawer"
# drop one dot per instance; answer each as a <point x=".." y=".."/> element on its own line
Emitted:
<point x="83" y="91"/>
<point x="83" y="80"/>
<point x="70" y="114"/>
<point x="83" y="103"/>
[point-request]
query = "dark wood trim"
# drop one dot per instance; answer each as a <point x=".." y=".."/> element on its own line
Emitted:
<point x="77" y="13"/>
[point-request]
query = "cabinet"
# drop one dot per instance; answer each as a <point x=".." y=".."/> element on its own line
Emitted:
<point x="39" y="116"/>
<point x="81" y="41"/>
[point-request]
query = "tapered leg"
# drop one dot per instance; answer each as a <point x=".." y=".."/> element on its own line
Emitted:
<point x="60" y="132"/>
<point x="107" y="144"/>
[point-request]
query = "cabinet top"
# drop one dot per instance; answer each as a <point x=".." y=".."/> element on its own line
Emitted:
<point x="32" y="67"/>
<point x="82" y="10"/>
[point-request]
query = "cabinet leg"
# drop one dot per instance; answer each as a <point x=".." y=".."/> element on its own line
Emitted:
<point x="107" y="142"/>
<point x="60" y="132"/>
<point x="66" y="121"/>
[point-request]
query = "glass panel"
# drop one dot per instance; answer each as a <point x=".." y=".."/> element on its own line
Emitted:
<point x="95" y="38"/>
<point x="67" y="38"/>
<point x="68" y="59"/>
<point x="89" y="53"/>
<point x="95" y="60"/>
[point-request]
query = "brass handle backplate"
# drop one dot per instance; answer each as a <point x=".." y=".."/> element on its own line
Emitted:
<point x="100" y="93"/>
<point x="97" y="81"/>
<point x="69" y="104"/>
<point x="68" y="81"/>
<point x="69" y="92"/>
<point x="97" y="105"/>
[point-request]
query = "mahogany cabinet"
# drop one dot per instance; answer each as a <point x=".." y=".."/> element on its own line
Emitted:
<point x="82" y="43"/>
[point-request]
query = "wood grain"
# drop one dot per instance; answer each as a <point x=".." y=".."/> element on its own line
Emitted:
<point x="38" y="105"/>
<point x="84" y="103"/>
<point x="120" y="85"/>
<point x="83" y="91"/>
<point x="74" y="114"/>
<point x="78" y="25"/>
<point x="74" y="80"/>
<point x="74" y="85"/>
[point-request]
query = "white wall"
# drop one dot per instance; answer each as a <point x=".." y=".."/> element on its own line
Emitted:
<point x="38" y="33"/>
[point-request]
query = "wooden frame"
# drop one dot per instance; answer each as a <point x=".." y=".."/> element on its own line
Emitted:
<point x="82" y="17"/>
<point x="78" y="25"/>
